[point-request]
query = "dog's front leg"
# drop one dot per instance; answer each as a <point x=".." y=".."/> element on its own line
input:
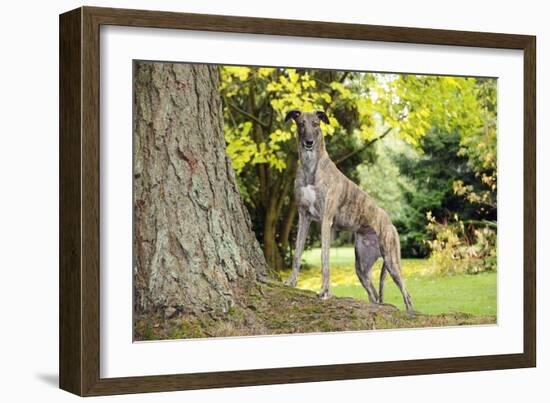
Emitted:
<point x="303" y="226"/>
<point x="326" y="226"/>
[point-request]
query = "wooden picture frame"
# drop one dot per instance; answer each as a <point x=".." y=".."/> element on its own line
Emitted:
<point x="79" y="201"/>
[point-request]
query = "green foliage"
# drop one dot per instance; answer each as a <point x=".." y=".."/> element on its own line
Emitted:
<point x="453" y="169"/>
<point x="433" y="175"/>
<point x="480" y="147"/>
<point x="454" y="247"/>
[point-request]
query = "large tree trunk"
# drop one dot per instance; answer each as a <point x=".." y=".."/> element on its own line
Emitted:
<point x="193" y="243"/>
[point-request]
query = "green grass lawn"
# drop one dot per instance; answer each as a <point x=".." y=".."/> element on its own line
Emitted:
<point x="431" y="294"/>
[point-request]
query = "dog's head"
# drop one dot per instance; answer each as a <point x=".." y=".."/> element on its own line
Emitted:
<point x="309" y="127"/>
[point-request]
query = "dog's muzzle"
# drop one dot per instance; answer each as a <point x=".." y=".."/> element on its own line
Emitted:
<point x="308" y="145"/>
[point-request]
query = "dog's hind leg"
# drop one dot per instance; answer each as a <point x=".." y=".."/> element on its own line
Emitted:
<point x="390" y="248"/>
<point x="383" y="275"/>
<point x="395" y="273"/>
<point x="367" y="251"/>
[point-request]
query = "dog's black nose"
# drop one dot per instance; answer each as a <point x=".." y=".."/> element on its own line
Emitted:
<point x="309" y="143"/>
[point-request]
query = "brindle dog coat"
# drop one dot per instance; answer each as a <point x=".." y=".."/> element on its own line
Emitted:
<point x="326" y="195"/>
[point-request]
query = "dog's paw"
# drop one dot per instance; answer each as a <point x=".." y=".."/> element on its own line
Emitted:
<point x="324" y="294"/>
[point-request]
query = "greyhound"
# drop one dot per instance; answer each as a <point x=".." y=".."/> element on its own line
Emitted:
<point x="326" y="195"/>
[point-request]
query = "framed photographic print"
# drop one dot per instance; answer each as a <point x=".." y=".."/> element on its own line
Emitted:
<point x="249" y="201"/>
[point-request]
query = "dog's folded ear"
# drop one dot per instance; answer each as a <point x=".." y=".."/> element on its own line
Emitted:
<point x="322" y="116"/>
<point x="293" y="114"/>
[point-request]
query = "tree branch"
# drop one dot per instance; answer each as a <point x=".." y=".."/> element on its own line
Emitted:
<point x="344" y="76"/>
<point x="341" y="80"/>
<point x="365" y="146"/>
<point x="247" y="114"/>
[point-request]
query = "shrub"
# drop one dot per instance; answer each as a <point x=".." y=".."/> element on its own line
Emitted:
<point x="459" y="247"/>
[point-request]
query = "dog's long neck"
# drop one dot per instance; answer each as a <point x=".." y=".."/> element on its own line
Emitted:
<point x="309" y="160"/>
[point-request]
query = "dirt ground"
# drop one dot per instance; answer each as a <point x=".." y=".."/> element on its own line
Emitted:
<point x="271" y="308"/>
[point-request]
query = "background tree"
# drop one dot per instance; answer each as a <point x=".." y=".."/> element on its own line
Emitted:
<point x="363" y="109"/>
<point x="451" y="175"/>
<point x="470" y="245"/>
<point x="193" y="246"/>
<point x="479" y="145"/>
<point x="434" y="175"/>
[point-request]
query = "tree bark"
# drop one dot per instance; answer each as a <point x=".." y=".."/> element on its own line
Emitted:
<point x="193" y="243"/>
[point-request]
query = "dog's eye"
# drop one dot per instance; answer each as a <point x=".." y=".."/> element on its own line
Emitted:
<point x="301" y="125"/>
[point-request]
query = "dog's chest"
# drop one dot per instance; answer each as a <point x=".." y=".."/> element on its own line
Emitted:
<point x="310" y="199"/>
